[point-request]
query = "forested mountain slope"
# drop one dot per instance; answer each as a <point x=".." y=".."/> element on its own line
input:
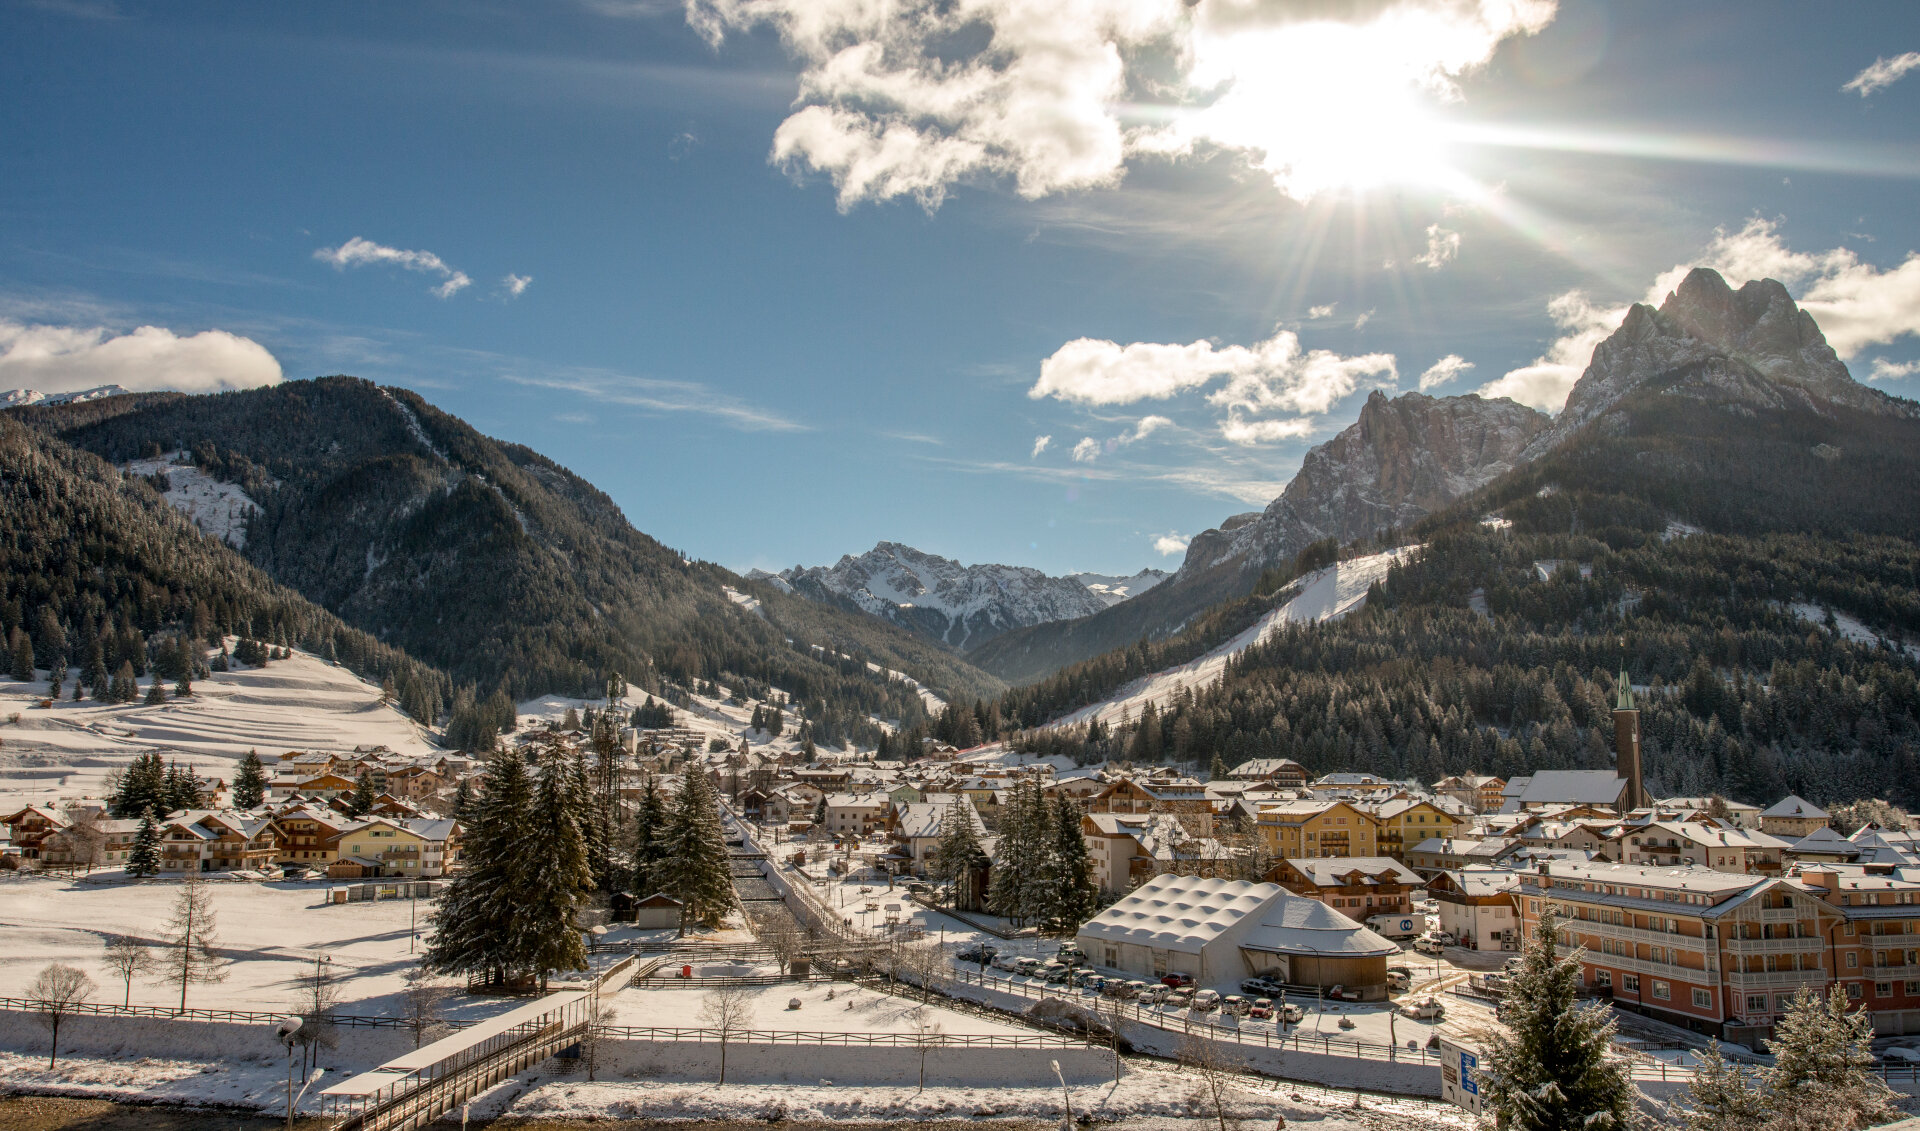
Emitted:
<point x="96" y="568"/>
<point x="496" y="563"/>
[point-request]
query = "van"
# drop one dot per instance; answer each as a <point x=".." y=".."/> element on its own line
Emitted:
<point x="1397" y="926"/>
<point x="1398" y="981"/>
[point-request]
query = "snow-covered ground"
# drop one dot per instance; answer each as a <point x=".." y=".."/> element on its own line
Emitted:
<point x="1323" y="595"/>
<point x="217" y="508"/>
<point x="269" y="932"/>
<point x="825" y="1007"/>
<point x="301" y="703"/>
<point x="1851" y="628"/>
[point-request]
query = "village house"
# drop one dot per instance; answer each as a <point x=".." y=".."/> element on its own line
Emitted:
<point x="1283" y="772"/>
<point x="1476" y="907"/>
<point x="1400" y="824"/>
<point x="204" y="840"/>
<point x="1295" y="829"/>
<point x="310" y="835"/>
<point x="28" y="827"/>
<point x="1356" y="887"/>
<point x="1711" y="846"/>
<point x="1480" y="793"/>
<point x="384" y="846"/>
<point x="856" y="814"/>
<point x="1792" y="817"/>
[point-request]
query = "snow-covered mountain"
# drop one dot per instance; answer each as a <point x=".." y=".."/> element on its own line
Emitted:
<point x="20" y="398"/>
<point x="959" y="605"/>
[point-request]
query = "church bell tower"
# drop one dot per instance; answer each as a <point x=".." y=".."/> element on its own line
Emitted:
<point x="1626" y="743"/>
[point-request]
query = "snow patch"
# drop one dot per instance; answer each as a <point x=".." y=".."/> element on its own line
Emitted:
<point x="219" y="509"/>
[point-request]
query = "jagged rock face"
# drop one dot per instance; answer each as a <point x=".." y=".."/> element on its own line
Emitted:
<point x="1757" y="328"/>
<point x="958" y="605"/>
<point x="1403" y="459"/>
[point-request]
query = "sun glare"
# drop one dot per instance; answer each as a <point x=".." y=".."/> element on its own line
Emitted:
<point x="1324" y="107"/>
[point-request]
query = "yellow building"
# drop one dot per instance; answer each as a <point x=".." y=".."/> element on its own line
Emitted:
<point x="1404" y="824"/>
<point x="1305" y="829"/>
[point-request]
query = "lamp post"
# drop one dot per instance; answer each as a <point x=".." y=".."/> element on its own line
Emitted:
<point x="286" y="1033"/>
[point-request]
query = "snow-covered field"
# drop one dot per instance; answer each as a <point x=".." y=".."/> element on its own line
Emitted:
<point x="850" y="1009"/>
<point x="270" y="933"/>
<point x="302" y="703"/>
<point x="1325" y="594"/>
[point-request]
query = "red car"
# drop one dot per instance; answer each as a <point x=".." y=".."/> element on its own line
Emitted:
<point x="1177" y="980"/>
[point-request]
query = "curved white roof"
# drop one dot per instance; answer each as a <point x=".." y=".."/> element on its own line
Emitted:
<point x="1298" y="925"/>
<point x="1179" y="912"/>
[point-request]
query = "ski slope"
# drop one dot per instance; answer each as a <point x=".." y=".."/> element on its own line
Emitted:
<point x="1322" y="595"/>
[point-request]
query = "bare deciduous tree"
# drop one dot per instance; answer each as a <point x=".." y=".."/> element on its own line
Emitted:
<point x="1212" y="1065"/>
<point x="127" y="956"/>
<point x="786" y="940"/>
<point x="420" y="1004"/>
<point x="319" y="993"/>
<point x="725" y="1010"/>
<point x="599" y="1017"/>
<point x="926" y="1032"/>
<point x="55" y="991"/>
<point x="191" y="939"/>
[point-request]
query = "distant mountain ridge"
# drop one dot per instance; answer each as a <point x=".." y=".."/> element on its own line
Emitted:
<point x="19" y="398"/>
<point x="960" y="606"/>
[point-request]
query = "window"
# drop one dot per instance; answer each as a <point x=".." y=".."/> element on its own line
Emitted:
<point x="1913" y="989"/>
<point x="1853" y="959"/>
<point x="1603" y="977"/>
<point x="1883" y="989"/>
<point x="1661" y="990"/>
<point x="1702" y="999"/>
<point x="1756" y="1003"/>
<point x="1853" y="990"/>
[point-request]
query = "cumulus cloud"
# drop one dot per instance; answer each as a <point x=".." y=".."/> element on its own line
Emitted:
<point x="1169" y="544"/>
<point x="358" y="252"/>
<point x="1148" y="426"/>
<point x="65" y="359"/>
<point x="1443" y="371"/>
<point x="1442" y="247"/>
<point x="516" y="285"/>
<point x="1319" y="312"/>
<point x="1546" y="382"/>
<point x="1273" y="374"/>
<point x="906" y="99"/>
<point x="1040" y="445"/>
<point x="1235" y="429"/>
<point x="1087" y="450"/>
<point x="1883" y="72"/>
<point x="1884" y="370"/>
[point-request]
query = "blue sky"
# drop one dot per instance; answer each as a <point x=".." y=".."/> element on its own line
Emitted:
<point x="784" y="284"/>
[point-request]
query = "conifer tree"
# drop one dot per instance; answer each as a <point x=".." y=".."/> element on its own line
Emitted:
<point x="249" y="782"/>
<point x="648" y="842"/>
<point x="1822" y="1061"/>
<point x="464" y="804"/>
<point x="56" y="676"/>
<point x="362" y="800"/>
<point x="476" y="929"/>
<point x="126" y="686"/>
<point x="959" y="852"/>
<point x="1071" y="887"/>
<point x="22" y="657"/>
<point x="156" y="692"/>
<point x="557" y="883"/>
<point x="181" y="788"/>
<point x="143" y="859"/>
<point x="97" y="679"/>
<point x="694" y="869"/>
<point x="1548" y="1069"/>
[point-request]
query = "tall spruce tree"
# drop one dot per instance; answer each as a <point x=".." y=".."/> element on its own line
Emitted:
<point x="1071" y="887"/>
<point x="557" y="882"/>
<point x="181" y="788"/>
<point x="361" y="801"/>
<point x="476" y="930"/>
<point x="1822" y="1063"/>
<point x="694" y="869"/>
<point x="143" y="859"/>
<point x="249" y="782"/>
<point x="1548" y="1069"/>
<point x="647" y="844"/>
<point x="959" y="854"/>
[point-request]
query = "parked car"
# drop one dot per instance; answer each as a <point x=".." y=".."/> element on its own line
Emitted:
<point x="1427" y="944"/>
<point x="1399" y="980"/>
<point x="1026" y="965"/>
<point x="1432" y="1009"/>
<point x="1055" y="973"/>
<point x="1289" y="1014"/>
<point x="1206" y="1001"/>
<point x="1260" y="1010"/>
<point x="1342" y="993"/>
<point x="1444" y="938"/>
<point x="1178" y="999"/>
<point x="1155" y="993"/>
<point x="1117" y="988"/>
<point x="1234" y="1004"/>
<point x="1093" y="984"/>
<point x="1177" y="979"/>
<point x="1071" y="954"/>
<point x="1512" y="965"/>
<point x="1007" y="962"/>
<point x="1259" y="987"/>
<point x="1080" y="976"/>
<point x="978" y="952"/>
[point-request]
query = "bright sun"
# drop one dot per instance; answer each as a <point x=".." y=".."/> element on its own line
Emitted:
<point x="1324" y="107"/>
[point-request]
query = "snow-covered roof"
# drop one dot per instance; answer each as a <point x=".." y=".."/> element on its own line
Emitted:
<point x="1578" y="787"/>
<point x="1791" y="806"/>
<point x="1327" y="871"/>
<point x="1179" y="912"/>
<point x="1297" y="925"/>
<point x="1823" y="841"/>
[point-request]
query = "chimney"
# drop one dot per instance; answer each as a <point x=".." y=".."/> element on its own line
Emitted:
<point x="1626" y="743"/>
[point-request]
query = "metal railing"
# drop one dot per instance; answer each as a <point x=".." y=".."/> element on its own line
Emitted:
<point x="882" y="1040"/>
<point x="248" y="1016"/>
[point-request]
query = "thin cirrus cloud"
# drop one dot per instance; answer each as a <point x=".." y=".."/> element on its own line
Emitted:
<point x="361" y="252"/>
<point x="65" y="359"/>
<point x="1884" y="72"/>
<point x="912" y="98"/>
<point x="1856" y="304"/>
<point x="655" y="395"/>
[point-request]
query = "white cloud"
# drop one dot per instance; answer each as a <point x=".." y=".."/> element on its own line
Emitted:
<point x="1040" y="445"/>
<point x="1442" y="247"/>
<point x="1883" y="72"/>
<point x="1087" y="450"/>
<point x="1168" y="545"/>
<point x="516" y="285"/>
<point x="1884" y="370"/>
<point x="1319" y="312"/>
<point x="1148" y="426"/>
<point x="1274" y="374"/>
<point x="357" y="252"/>
<point x="1545" y="383"/>
<point x="64" y="359"/>
<point x="652" y="394"/>
<point x="1443" y="371"/>
<point x="1247" y="433"/>
<point x="1360" y="321"/>
<point x="909" y="97"/>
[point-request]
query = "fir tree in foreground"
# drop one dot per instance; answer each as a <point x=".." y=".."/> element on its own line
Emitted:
<point x="694" y="868"/>
<point x="476" y="929"/>
<point x="249" y="782"/>
<point x="143" y="859"/>
<point x="557" y="881"/>
<point x="1548" y="1069"/>
<point x="1820" y="1079"/>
